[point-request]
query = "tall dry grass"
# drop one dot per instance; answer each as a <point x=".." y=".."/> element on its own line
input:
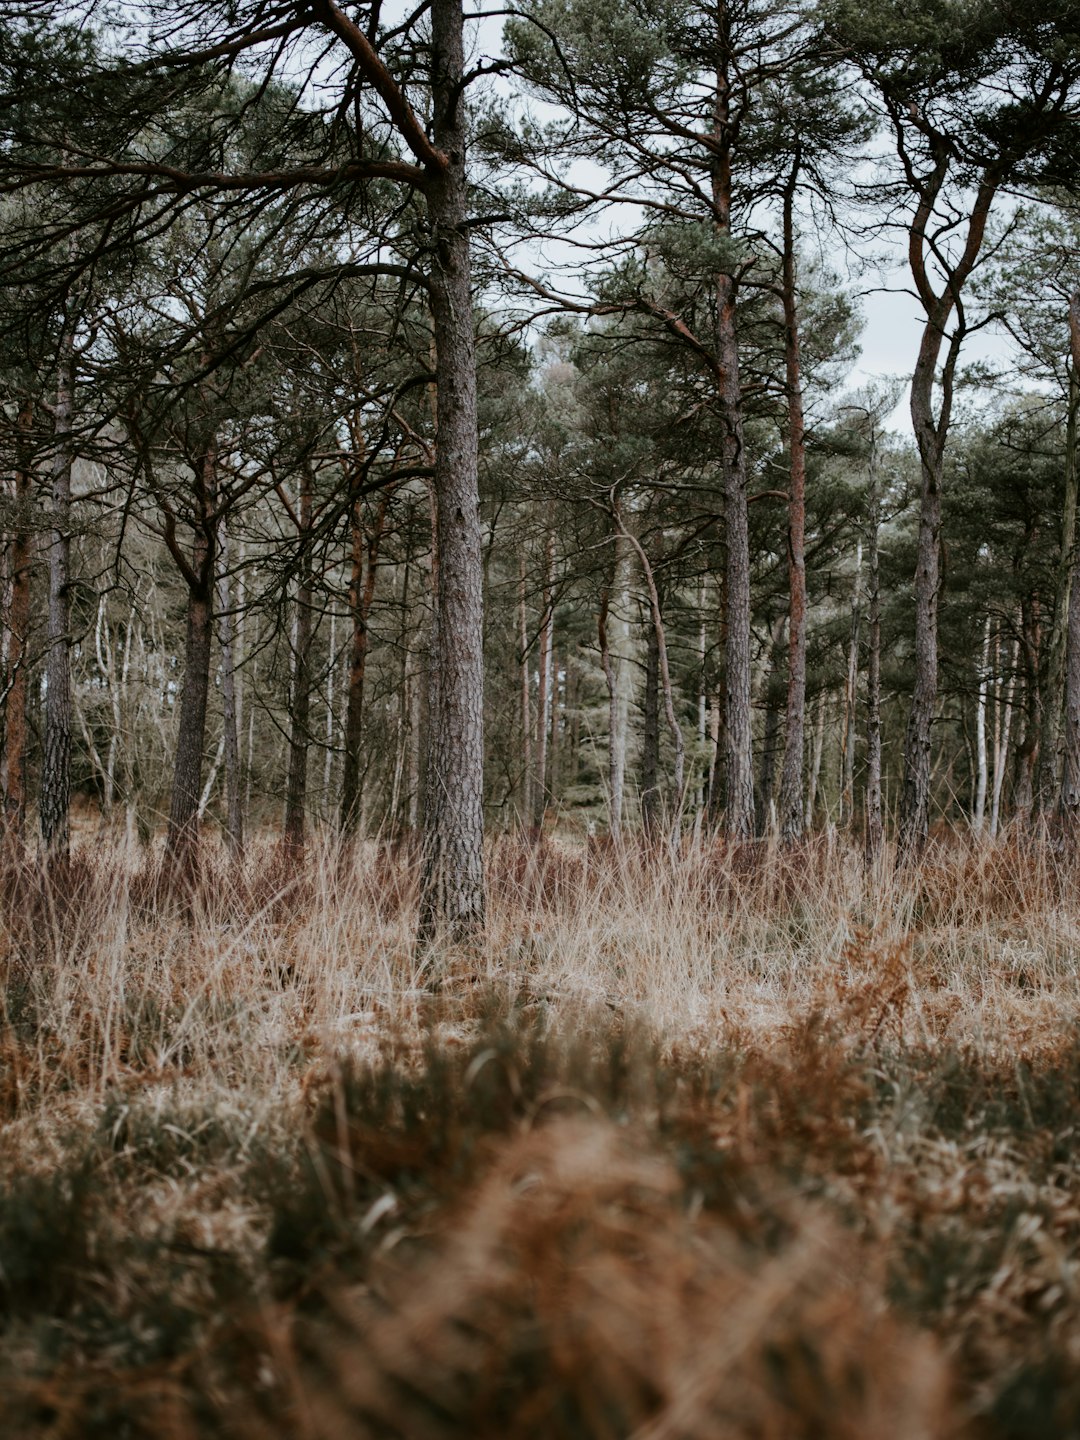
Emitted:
<point x="742" y="1143"/>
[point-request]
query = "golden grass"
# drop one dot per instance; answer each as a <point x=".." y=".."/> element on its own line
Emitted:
<point x="718" y="1144"/>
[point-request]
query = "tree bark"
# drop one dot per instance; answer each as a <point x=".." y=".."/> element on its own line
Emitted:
<point x="234" y="814"/>
<point x="1050" y="740"/>
<point x="650" y="739"/>
<point x="362" y="577"/>
<point x="545" y="683"/>
<point x="452" y="884"/>
<point x="1070" y="784"/>
<point x="181" y="840"/>
<point x="739" y="762"/>
<point x="525" y="694"/>
<point x="875" y="829"/>
<point x="978" y="812"/>
<point x="300" y="709"/>
<point x="851" y="687"/>
<point x="56" y="763"/>
<point x="19" y="557"/>
<point x="791" y="773"/>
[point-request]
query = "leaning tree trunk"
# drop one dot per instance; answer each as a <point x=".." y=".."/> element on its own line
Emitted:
<point x="56" y="761"/>
<point x="300" y="709"/>
<point x="181" y="840"/>
<point x="19" y="558"/>
<point x="452" y="884"/>
<point x="791" y="772"/>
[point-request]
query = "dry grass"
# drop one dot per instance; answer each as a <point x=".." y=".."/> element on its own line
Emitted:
<point x="729" y="1144"/>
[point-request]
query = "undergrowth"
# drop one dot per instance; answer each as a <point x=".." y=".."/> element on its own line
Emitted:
<point x="716" y="1145"/>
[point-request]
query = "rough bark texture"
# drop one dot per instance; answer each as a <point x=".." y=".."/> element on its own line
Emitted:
<point x="19" y="557"/>
<point x="790" y="808"/>
<point x="300" y="709"/>
<point x="452" y="886"/>
<point x="739" y="763"/>
<point x="56" y="761"/>
<point x="181" y="841"/>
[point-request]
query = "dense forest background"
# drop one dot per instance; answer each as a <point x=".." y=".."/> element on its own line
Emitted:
<point x="721" y="583"/>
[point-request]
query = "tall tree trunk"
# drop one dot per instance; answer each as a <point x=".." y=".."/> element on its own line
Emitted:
<point x="362" y="577"/>
<point x="19" y="558"/>
<point x="770" y="743"/>
<point x="525" y="694"/>
<point x="791" y="774"/>
<point x="874" y="821"/>
<point x="1050" y="739"/>
<point x="546" y="682"/>
<point x="300" y="708"/>
<point x="851" y="689"/>
<point x="1002" y="733"/>
<point x="1027" y="750"/>
<point x="1070" y="782"/>
<point x="978" y="812"/>
<point x="815" y="759"/>
<point x="181" y="840"/>
<point x="931" y="433"/>
<point x="739" y="762"/>
<point x="56" y="763"/>
<point x="650" y="739"/>
<point x="234" y="815"/>
<point x="452" y="885"/>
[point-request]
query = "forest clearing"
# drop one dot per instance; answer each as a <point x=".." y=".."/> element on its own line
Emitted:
<point x="691" y="1146"/>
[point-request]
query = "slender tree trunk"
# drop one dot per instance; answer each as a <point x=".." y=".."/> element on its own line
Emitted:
<point x="978" y="813"/>
<point x="56" y="764"/>
<point x="816" y="752"/>
<point x="791" y="774"/>
<point x="181" y="841"/>
<point x="19" y="558"/>
<point x="525" y="694"/>
<point x="1027" y="750"/>
<point x="874" y="821"/>
<point x="1070" y="783"/>
<point x="546" y="681"/>
<point x="851" y="688"/>
<point x="365" y="557"/>
<point x="234" y="815"/>
<point x="300" y="718"/>
<point x="1050" y="739"/>
<point x="452" y="886"/>
<point x="650" y="739"/>
<point x="770" y="743"/>
<point x="739" y="761"/>
<point x="1001" y="749"/>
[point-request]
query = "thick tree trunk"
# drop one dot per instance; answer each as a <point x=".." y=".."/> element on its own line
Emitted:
<point x="181" y="840"/>
<point x="234" y="814"/>
<point x="791" y="774"/>
<point x="300" y="709"/>
<point x="874" y="819"/>
<point x="452" y="886"/>
<point x="19" y="557"/>
<point x="365" y="557"/>
<point x="1050" y="739"/>
<point x="739" y="761"/>
<point x="56" y="763"/>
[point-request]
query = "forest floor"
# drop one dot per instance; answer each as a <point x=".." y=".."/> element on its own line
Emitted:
<point x="711" y="1146"/>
